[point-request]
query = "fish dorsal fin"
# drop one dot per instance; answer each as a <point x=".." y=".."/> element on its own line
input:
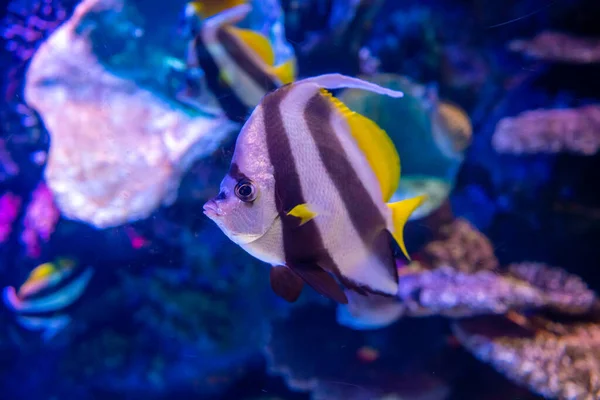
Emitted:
<point x="286" y="72"/>
<point x="257" y="42"/>
<point x="208" y="8"/>
<point x="401" y="211"/>
<point x="375" y="144"/>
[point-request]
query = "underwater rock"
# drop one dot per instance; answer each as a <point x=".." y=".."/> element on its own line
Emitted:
<point x="566" y="293"/>
<point x="550" y="131"/>
<point x="559" y="47"/>
<point x="430" y="141"/>
<point x="458" y="276"/>
<point x="462" y="246"/>
<point x="454" y="293"/>
<point x="117" y="150"/>
<point x="557" y="360"/>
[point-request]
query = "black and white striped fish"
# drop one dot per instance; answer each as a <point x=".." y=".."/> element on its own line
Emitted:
<point x="307" y="190"/>
<point x="238" y="63"/>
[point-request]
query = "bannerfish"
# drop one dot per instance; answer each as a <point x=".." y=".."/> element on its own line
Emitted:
<point x="238" y="64"/>
<point x="307" y="189"/>
<point x="42" y="301"/>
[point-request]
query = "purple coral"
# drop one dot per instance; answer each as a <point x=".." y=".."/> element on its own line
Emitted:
<point x="40" y="220"/>
<point x="556" y="360"/>
<point x="556" y="46"/>
<point x="550" y="131"/>
<point x="9" y="209"/>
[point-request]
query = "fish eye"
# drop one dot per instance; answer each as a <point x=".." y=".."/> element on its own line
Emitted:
<point x="245" y="190"/>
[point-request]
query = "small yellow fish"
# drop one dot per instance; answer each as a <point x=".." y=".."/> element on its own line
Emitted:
<point x="50" y="288"/>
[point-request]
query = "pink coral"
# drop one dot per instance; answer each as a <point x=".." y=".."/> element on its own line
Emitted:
<point x="40" y="220"/>
<point x="556" y="46"/>
<point x="9" y="209"/>
<point x="550" y="131"/>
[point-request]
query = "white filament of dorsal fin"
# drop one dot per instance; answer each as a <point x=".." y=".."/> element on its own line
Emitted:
<point x="228" y="17"/>
<point x="339" y="81"/>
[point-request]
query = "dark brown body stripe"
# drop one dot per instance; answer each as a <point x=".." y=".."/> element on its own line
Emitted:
<point x="302" y="244"/>
<point x="231" y="44"/>
<point x="364" y="213"/>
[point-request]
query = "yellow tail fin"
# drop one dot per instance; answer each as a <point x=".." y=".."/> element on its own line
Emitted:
<point x="286" y="72"/>
<point x="401" y="211"/>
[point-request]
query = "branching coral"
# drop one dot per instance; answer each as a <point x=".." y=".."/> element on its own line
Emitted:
<point x="557" y="360"/>
<point x="550" y="131"/>
<point x="557" y="46"/>
<point x="117" y="150"/>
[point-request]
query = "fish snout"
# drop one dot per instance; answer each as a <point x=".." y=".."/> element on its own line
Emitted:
<point x="212" y="209"/>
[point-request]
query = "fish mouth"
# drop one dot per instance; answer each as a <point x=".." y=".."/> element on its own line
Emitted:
<point x="212" y="209"/>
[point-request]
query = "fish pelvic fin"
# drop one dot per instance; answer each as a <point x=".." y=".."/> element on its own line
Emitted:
<point x="339" y="81"/>
<point x="256" y="42"/>
<point x="375" y="144"/>
<point x="320" y="280"/>
<point x="401" y="211"/>
<point x="303" y="212"/>
<point x="286" y="72"/>
<point x="286" y="283"/>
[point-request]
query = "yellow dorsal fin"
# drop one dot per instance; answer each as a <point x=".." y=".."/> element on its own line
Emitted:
<point x="208" y="8"/>
<point x="375" y="144"/>
<point x="41" y="272"/>
<point x="303" y="212"/>
<point x="401" y="211"/>
<point x="286" y="72"/>
<point x="258" y="43"/>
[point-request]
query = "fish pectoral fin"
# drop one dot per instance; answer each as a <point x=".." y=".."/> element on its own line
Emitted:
<point x="401" y="211"/>
<point x="286" y="72"/>
<point x="320" y="280"/>
<point x="303" y="212"/>
<point x="375" y="144"/>
<point x="256" y="42"/>
<point x="285" y="283"/>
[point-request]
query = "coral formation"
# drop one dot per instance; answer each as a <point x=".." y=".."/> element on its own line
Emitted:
<point x="462" y="246"/>
<point x="559" y="47"/>
<point x="550" y="131"/>
<point x="117" y="150"/>
<point x="557" y="360"/>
